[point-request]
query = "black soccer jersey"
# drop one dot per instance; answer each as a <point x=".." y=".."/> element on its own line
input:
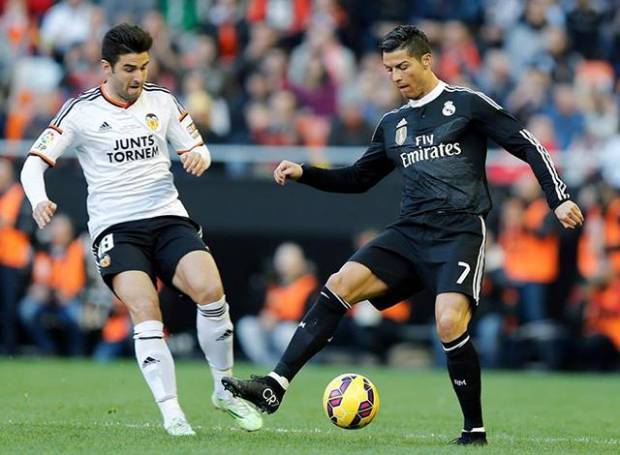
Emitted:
<point x="439" y="145"/>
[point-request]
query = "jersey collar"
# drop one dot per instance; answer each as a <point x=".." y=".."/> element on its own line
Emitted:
<point x="113" y="101"/>
<point x="430" y="96"/>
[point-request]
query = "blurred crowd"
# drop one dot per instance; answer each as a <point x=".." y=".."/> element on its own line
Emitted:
<point x="550" y="296"/>
<point x="307" y="72"/>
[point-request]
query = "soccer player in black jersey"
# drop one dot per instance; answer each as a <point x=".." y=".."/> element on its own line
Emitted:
<point x="438" y="143"/>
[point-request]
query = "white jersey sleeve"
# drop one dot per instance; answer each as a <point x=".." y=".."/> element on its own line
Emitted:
<point x="182" y="132"/>
<point x="58" y="136"/>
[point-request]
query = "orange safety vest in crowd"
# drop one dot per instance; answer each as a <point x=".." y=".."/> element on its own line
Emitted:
<point x="14" y="244"/>
<point x="65" y="274"/>
<point x="612" y="233"/>
<point x="528" y="257"/>
<point x="588" y="256"/>
<point x="287" y="303"/>
<point x="603" y="313"/>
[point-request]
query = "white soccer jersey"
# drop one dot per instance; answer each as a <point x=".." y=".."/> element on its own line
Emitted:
<point x="123" y="152"/>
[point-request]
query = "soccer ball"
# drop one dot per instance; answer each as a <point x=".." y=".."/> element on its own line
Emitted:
<point x="351" y="401"/>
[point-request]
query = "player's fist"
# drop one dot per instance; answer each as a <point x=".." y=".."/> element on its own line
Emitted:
<point x="43" y="213"/>
<point x="287" y="170"/>
<point x="569" y="214"/>
<point x="194" y="163"/>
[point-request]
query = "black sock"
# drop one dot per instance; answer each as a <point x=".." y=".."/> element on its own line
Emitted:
<point x="464" y="370"/>
<point x="314" y="332"/>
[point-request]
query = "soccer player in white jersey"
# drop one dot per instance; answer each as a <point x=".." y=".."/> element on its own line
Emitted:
<point x="140" y="228"/>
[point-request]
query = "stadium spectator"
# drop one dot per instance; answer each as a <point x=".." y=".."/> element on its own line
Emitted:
<point x="317" y="92"/>
<point x="584" y="26"/>
<point x="15" y="252"/>
<point x="67" y="23"/>
<point x="58" y="278"/>
<point x="116" y="335"/>
<point x="459" y="55"/>
<point x="568" y="120"/>
<point x="526" y="40"/>
<point x="530" y="244"/>
<point x="225" y="22"/>
<point x="321" y="39"/>
<point x="495" y="76"/>
<point x="349" y="127"/>
<point x="600" y="345"/>
<point x="264" y="337"/>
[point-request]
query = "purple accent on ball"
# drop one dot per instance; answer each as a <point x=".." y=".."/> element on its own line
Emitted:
<point x="365" y="413"/>
<point x="355" y="422"/>
<point x="335" y="401"/>
<point x="330" y="410"/>
<point x="365" y="405"/>
<point x="334" y="393"/>
<point x="346" y="382"/>
<point x="371" y="396"/>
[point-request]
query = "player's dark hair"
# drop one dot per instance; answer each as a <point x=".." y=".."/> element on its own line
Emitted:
<point x="406" y="37"/>
<point x="124" y="39"/>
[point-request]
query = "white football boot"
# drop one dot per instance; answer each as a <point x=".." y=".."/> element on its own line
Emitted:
<point x="246" y="415"/>
<point x="178" y="426"/>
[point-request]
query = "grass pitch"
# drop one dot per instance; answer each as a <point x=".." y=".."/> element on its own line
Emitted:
<point x="81" y="407"/>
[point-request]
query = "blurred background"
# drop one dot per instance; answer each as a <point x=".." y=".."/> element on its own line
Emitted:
<point x="266" y="80"/>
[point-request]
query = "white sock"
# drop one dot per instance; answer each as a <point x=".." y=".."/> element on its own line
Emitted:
<point x="157" y="366"/>
<point x="215" y="336"/>
<point x="281" y="379"/>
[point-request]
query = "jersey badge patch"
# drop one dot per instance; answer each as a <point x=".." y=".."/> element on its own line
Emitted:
<point x="46" y="140"/>
<point x="152" y="121"/>
<point x="105" y="261"/>
<point x="401" y="132"/>
<point x="448" y="108"/>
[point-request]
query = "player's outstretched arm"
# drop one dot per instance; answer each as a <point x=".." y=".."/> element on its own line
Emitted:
<point x="287" y="170"/>
<point x="34" y="186"/>
<point x="569" y="214"/>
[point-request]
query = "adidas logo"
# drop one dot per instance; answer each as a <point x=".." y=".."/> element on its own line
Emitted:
<point x="149" y="361"/>
<point x="224" y="335"/>
<point x="105" y="126"/>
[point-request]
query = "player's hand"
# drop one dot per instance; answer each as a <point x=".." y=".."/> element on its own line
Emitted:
<point x="569" y="214"/>
<point x="194" y="163"/>
<point x="287" y="170"/>
<point x="43" y="213"/>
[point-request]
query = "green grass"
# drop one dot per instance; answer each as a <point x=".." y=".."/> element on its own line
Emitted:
<point x="82" y="407"/>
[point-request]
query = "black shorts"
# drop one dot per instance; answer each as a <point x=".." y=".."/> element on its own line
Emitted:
<point x="442" y="252"/>
<point x="154" y="246"/>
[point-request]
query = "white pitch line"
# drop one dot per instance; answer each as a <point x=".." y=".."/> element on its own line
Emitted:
<point x="217" y="428"/>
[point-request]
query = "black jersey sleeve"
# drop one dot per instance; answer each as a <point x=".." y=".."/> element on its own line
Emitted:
<point x="501" y="126"/>
<point x="362" y="175"/>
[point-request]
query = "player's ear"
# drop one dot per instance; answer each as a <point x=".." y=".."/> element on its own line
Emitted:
<point x="427" y="60"/>
<point x="106" y="66"/>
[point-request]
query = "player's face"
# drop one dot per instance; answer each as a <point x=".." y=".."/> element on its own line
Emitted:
<point x="128" y="75"/>
<point x="408" y="73"/>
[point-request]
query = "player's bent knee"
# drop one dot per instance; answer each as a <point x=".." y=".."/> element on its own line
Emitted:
<point x="206" y="293"/>
<point x="337" y="283"/>
<point x="143" y="310"/>
<point x="450" y="325"/>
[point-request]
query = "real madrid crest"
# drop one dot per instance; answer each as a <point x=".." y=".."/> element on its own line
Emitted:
<point x="401" y="132"/>
<point x="152" y="121"/>
<point x="448" y="108"/>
